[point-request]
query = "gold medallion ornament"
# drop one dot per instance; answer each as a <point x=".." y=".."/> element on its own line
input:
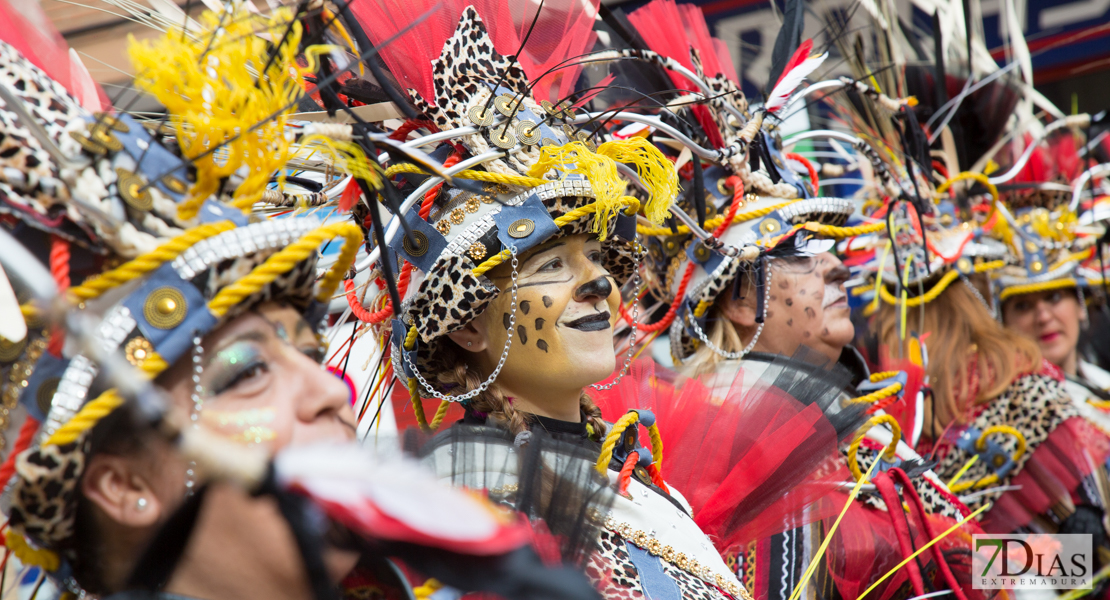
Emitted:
<point x="457" y="216"/>
<point x="506" y="105"/>
<point x="88" y="145"/>
<point x="480" y="115"/>
<point x="503" y="138"/>
<point x="138" y="350"/>
<point x="521" y="228"/>
<point x="10" y="350"/>
<point x="20" y="373"/>
<point x="112" y="122"/>
<point x="415" y="244"/>
<point x="104" y="136"/>
<point x="45" y="396"/>
<point x="130" y="188"/>
<point x="527" y="132"/>
<point x="443" y="226"/>
<point x="472" y="204"/>
<point x="769" y="226"/>
<point x="477" y="251"/>
<point x="165" y="308"/>
<point x="175" y="185"/>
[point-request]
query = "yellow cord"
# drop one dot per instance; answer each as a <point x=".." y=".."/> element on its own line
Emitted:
<point x="967" y="465"/>
<point x="1031" y="288"/>
<point x="656" y="444"/>
<point x="981" y="443"/>
<point x="834" y="232"/>
<point x="148" y="262"/>
<point x="711" y="224"/>
<point x="483" y="176"/>
<point x="877" y="395"/>
<point x="925" y="298"/>
<point x="628" y="420"/>
<point x="86" y="419"/>
<point x="981" y="178"/>
<point x="39" y="557"/>
<point x="888" y="453"/>
<point x="284" y="260"/>
<point x="881" y="375"/>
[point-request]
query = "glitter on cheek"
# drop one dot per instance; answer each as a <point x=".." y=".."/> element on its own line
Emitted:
<point x="243" y="426"/>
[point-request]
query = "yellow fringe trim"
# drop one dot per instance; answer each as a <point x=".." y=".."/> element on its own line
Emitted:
<point x="39" y="557"/>
<point x="940" y="286"/>
<point x="657" y="173"/>
<point x="210" y="86"/>
<point x="285" y="259"/>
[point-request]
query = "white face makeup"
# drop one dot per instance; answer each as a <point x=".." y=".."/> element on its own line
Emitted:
<point x="563" y="337"/>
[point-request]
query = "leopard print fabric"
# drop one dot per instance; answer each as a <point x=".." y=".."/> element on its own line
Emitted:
<point x="449" y="297"/>
<point x="612" y="572"/>
<point x="44" y="497"/>
<point x="1035" y="405"/>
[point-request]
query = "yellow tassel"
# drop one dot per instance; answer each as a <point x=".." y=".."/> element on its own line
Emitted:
<point x="656" y="173"/>
<point x="601" y="171"/>
<point x="210" y="85"/>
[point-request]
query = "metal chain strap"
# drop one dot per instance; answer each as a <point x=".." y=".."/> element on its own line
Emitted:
<point x="639" y="255"/>
<point x="500" y="363"/>
<point x="733" y="355"/>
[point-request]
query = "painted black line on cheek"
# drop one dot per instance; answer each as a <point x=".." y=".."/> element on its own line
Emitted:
<point x="524" y="285"/>
<point x="506" y="321"/>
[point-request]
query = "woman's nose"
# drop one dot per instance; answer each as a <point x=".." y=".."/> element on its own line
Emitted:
<point x="598" y="288"/>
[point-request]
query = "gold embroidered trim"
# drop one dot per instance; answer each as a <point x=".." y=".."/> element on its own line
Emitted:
<point x="648" y="542"/>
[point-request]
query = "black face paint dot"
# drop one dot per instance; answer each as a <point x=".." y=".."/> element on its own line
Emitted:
<point x="523" y="333"/>
<point x="770" y="314"/>
<point x="783" y="285"/>
<point x="810" y="312"/>
<point x="539" y="323"/>
<point x="790" y="302"/>
<point x="506" y="320"/>
<point x="774" y="298"/>
<point x="805" y="334"/>
<point x="547" y="302"/>
<point x="525" y="306"/>
<point x="790" y="322"/>
<point x="542" y="345"/>
<point x="825" y="331"/>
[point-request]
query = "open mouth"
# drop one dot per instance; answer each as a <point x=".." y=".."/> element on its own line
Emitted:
<point x="594" y="322"/>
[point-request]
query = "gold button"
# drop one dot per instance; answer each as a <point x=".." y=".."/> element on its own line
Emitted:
<point x="165" y="308"/>
<point x="521" y="228"/>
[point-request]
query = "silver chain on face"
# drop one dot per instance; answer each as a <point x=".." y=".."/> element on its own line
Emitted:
<point x="734" y="355"/>
<point x="500" y="363"/>
<point x="194" y="412"/>
<point x="638" y="254"/>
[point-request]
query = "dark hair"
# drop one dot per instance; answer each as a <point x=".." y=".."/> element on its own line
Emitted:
<point x="117" y="434"/>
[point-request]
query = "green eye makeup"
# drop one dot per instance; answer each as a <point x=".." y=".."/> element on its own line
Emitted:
<point x="232" y="365"/>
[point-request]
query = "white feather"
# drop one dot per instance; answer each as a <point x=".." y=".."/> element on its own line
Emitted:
<point x="785" y="87"/>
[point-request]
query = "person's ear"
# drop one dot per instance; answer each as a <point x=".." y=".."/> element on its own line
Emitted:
<point x="739" y="310"/>
<point x="470" y="338"/>
<point x="116" y="486"/>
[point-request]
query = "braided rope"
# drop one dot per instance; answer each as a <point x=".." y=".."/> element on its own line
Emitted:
<point x="284" y="260"/>
<point x="656" y="444"/>
<point x="626" y="472"/>
<point x="86" y="419"/>
<point x="881" y="375"/>
<point x="39" y="557"/>
<point x="59" y="270"/>
<point x="964" y="176"/>
<point x="629" y="419"/>
<point x="147" y="262"/>
<point x="888" y="453"/>
<point x="714" y="222"/>
<point x="1031" y="288"/>
<point x="26" y="435"/>
<point x="981" y="443"/>
<point x="417" y="404"/>
<point x="834" y="232"/>
<point x="483" y="176"/>
<point x="940" y="286"/>
<point x="877" y="395"/>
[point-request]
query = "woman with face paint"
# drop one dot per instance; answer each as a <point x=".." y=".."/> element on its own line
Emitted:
<point x="512" y="305"/>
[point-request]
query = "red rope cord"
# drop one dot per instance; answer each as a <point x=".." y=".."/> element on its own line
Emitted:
<point x="809" y="167"/>
<point x="59" y="269"/>
<point x="430" y="195"/>
<point x="657" y="477"/>
<point x="410" y="125"/>
<point x="626" y="472"/>
<point x="26" y="434"/>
